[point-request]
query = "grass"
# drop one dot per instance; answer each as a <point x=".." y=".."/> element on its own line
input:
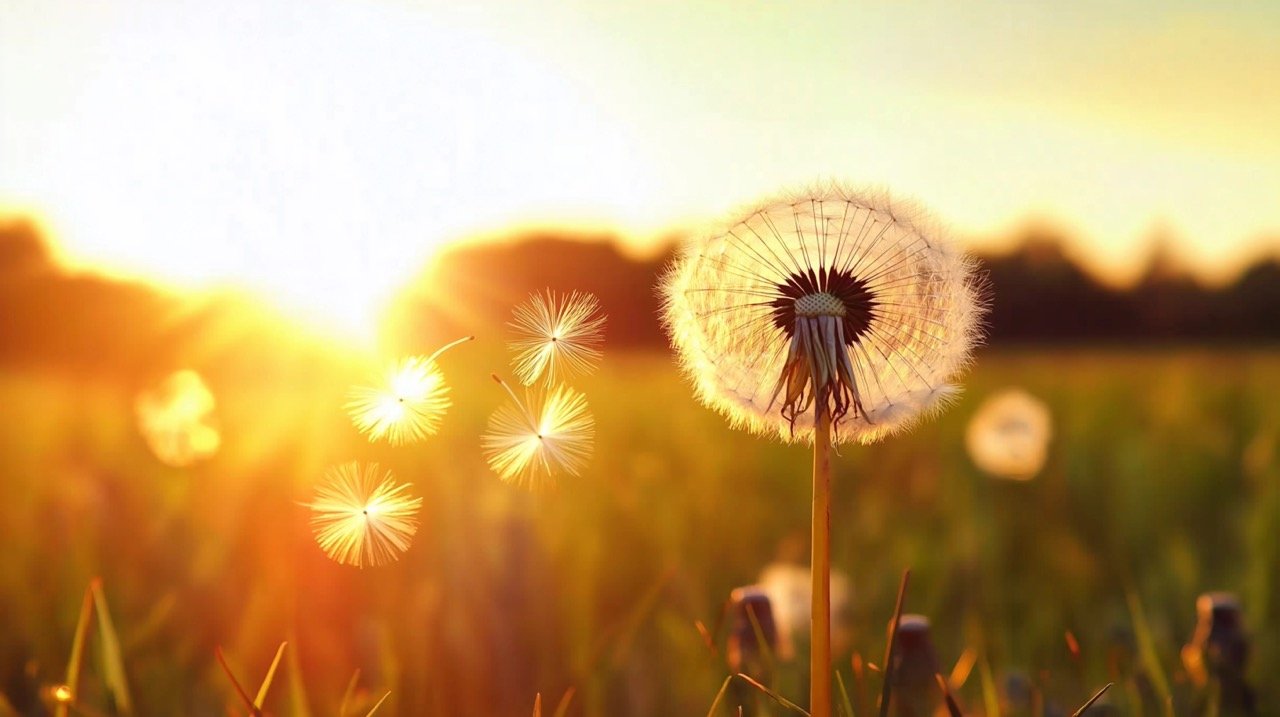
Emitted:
<point x="1163" y="482"/>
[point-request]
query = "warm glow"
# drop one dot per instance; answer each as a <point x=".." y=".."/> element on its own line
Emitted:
<point x="321" y="155"/>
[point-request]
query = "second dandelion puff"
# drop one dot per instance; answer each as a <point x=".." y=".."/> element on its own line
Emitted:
<point x="408" y="404"/>
<point x="556" y="336"/>
<point x="532" y="440"/>
<point x="361" y="516"/>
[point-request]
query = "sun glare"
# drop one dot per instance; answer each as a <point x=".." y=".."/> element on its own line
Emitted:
<point x="305" y="155"/>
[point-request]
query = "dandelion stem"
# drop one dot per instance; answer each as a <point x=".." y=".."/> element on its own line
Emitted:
<point x="820" y="566"/>
<point x="448" y="346"/>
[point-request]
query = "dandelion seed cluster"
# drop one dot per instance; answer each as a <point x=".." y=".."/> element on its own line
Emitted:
<point x="406" y="407"/>
<point x="176" y="419"/>
<point x="530" y="440"/>
<point x="830" y="300"/>
<point x="549" y="430"/>
<point x="556" y="337"/>
<point x="360" y="516"/>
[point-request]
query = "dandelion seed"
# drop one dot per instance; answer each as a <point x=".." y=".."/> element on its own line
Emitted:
<point x="1008" y="436"/>
<point x="556" y="336"/>
<point x="832" y="302"/>
<point x="530" y="441"/>
<point x="176" y="419"/>
<point x="360" y="516"/>
<point x="408" y="405"/>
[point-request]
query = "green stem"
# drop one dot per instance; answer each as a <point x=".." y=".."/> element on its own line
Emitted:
<point x="820" y="567"/>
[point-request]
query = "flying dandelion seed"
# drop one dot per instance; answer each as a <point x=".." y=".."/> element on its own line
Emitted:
<point x="833" y="299"/>
<point x="408" y="405"/>
<point x="360" y="516"/>
<point x="175" y="418"/>
<point x="1008" y="436"/>
<point x="533" y="440"/>
<point x="556" y="336"/>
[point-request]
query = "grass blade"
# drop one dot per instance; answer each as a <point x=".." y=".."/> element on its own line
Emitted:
<point x="990" y="696"/>
<point x="537" y="705"/>
<point x="112" y="659"/>
<point x="297" y="690"/>
<point x="719" y="696"/>
<point x="562" y="708"/>
<point x="244" y="696"/>
<point x="379" y="704"/>
<point x="706" y="637"/>
<point x="271" y="675"/>
<point x="346" y="696"/>
<point x="6" y="709"/>
<point x="783" y="701"/>
<point x="1096" y="696"/>
<point x="77" y="652"/>
<point x="953" y="709"/>
<point x="886" y="688"/>
<point x="766" y="654"/>
<point x="1147" y="649"/>
<point x="845" y="705"/>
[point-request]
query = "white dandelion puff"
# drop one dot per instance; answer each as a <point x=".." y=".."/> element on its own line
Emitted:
<point x="556" y="336"/>
<point x="176" y="419"/>
<point x="1008" y="436"/>
<point x="830" y="301"/>
<point x="531" y="441"/>
<point x="407" y="405"/>
<point x="360" y="516"/>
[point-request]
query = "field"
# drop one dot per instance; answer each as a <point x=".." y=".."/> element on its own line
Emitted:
<point x="1163" y="482"/>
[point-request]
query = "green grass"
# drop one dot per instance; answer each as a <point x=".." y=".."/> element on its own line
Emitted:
<point x="1164" y="480"/>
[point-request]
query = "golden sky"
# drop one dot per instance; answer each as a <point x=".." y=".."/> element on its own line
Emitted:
<point x="321" y="150"/>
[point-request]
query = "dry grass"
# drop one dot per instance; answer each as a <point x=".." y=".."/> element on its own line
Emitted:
<point x="1163" y="477"/>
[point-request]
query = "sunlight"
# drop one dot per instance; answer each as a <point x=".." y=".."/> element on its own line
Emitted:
<point x="322" y="160"/>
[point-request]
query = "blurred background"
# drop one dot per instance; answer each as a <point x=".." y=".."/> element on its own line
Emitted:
<point x="281" y="198"/>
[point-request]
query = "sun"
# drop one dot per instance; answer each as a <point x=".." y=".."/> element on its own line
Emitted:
<point x="319" y="159"/>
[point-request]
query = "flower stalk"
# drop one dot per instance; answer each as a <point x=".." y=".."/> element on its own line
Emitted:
<point x="820" y="567"/>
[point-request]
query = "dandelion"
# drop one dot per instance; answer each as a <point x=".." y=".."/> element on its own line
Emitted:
<point x="176" y="419"/>
<point x="409" y="403"/>
<point x="834" y="303"/>
<point x="556" y="336"/>
<point x="360" y="516"/>
<point x="822" y="317"/>
<point x="1008" y="436"/>
<point x="530" y="441"/>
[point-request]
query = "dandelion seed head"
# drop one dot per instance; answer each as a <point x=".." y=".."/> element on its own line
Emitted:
<point x="176" y="418"/>
<point x="1009" y="435"/>
<point x="360" y="516"/>
<point x="556" y="336"/>
<point x="407" y="404"/>
<point x="533" y="439"/>
<point x="830" y="298"/>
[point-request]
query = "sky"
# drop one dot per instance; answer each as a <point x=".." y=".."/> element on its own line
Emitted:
<point x="321" y="151"/>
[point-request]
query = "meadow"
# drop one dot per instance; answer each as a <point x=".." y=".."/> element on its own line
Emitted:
<point x="1163" y="482"/>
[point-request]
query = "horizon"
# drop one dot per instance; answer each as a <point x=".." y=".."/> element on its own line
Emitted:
<point x="236" y="148"/>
